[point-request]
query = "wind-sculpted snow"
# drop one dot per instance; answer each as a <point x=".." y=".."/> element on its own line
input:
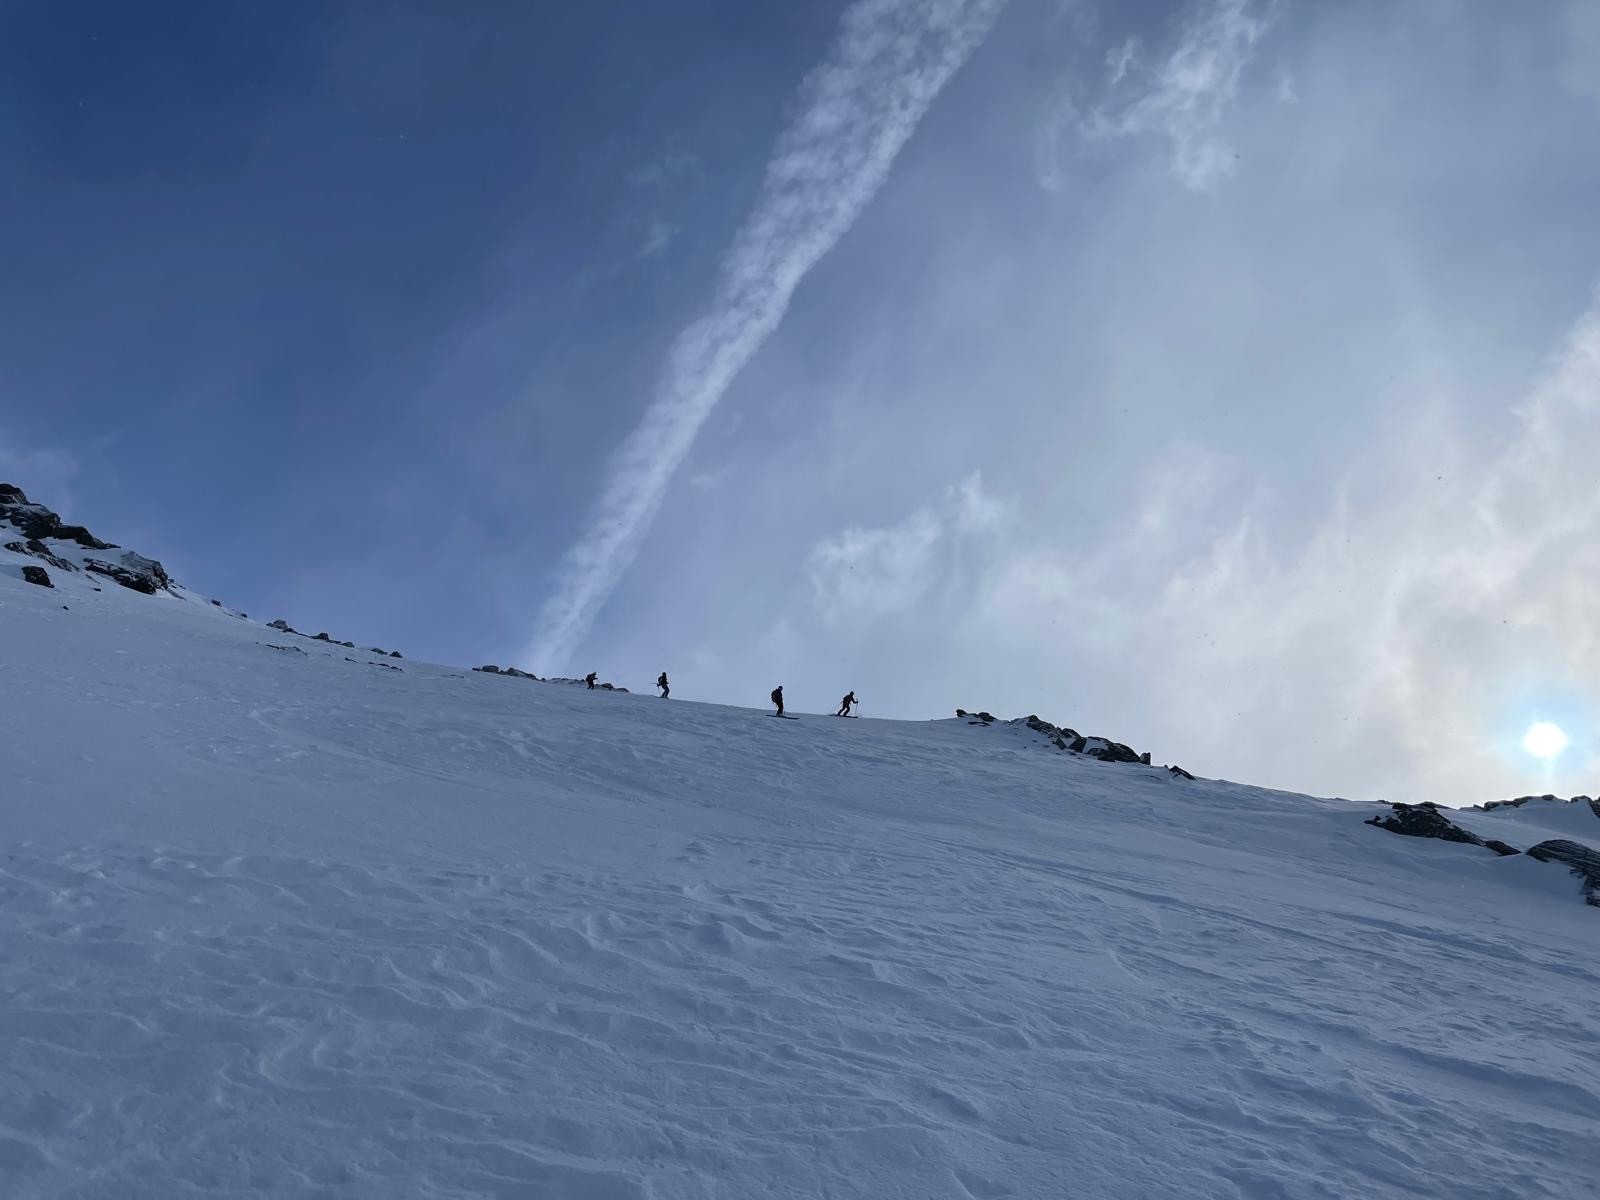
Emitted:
<point x="280" y="924"/>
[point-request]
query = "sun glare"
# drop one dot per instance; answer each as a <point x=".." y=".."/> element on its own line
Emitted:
<point x="1544" y="740"/>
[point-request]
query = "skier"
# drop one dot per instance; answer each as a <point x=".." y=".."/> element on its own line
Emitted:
<point x="844" y="705"/>
<point x="777" y="698"/>
<point x="662" y="684"/>
<point x="590" y="678"/>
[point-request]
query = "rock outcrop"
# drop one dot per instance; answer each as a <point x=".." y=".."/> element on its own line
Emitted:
<point x="1425" y="820"/>
<point x="37" y="575"/>
<point x="1521" y="801"/>
<point x="1068" y="741"/>
<point x="133" y="571"/>
<point x="1584" y="862"/>
<point x="39" y="527"/>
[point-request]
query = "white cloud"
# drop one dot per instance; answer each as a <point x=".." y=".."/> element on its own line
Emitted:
<point x="853" y="114"/>
<point x="657" y="238"/>
<point x="1406" y="644"/>
<point x="868" y="573"/>
<point x="1181" y="98"/>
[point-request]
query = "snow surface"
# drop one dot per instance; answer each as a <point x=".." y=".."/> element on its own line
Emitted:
<point x="277" y="922"/>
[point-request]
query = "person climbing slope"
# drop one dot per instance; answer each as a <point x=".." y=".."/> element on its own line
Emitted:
<point x="590" y="678"/>
<point x="844" y="705"/>
<point x="777" y="698"/>
<point x="662" y="684"/>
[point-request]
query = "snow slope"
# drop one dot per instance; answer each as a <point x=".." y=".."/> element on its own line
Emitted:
<point x="278" y="919"/>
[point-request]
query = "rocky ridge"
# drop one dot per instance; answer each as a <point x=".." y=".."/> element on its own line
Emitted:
<point x="31" y="529"/>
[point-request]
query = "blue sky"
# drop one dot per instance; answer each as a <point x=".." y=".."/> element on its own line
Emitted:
<point x="1220" y="376"/>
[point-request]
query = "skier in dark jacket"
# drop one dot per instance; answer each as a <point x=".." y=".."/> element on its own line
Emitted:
<point x="777" y="698"/>
<point x="662" y="684"/>
<point x="844" y="705"/>
<point x="590" y="678"/>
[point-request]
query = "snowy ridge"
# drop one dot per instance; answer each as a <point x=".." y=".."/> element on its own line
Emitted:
<point x="279" y="922"/>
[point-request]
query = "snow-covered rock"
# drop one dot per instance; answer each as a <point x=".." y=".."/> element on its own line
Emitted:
<point x="31" y="529"/>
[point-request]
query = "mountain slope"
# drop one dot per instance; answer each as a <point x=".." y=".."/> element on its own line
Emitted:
<point x="282" y="917"/>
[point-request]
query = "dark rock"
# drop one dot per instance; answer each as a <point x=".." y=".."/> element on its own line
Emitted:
<point x="37" y="575"/>
<point x="488" y="669"/>
<point x="1424" y="820"/>
<point x="1145" y="758"/>
<point x="961" y="712"/>
<point x="35" y="520"/>
<point x="1108" y="751"/>
<point x="77" y="533"/>
<point x="10" y="493"/>
<point x="37" y="549"/>
<point x="1501" y="848"/>
<point x="216" y="604"/>
<point x="395" y="654"/>
<point x="282" y="626"/>
<point x="1585" y="863"/>
<point x="1180" y="773"/>
<point x="986" y="718"/>
<point x="1517" y="803"/>
<point x="323" y="637"/>
<point x="348" y="645"/>
<point x="290" y="649"/>
<point x="135" y="571"/>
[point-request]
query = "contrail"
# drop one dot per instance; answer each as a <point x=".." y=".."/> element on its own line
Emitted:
<point x="850" y="119"/>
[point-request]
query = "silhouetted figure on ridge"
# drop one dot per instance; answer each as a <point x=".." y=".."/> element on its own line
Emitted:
<point x="662" y="684"/>
<point x="590" y="678"/>
<point x="844" y="705"/>
<point x="777" y="698"/>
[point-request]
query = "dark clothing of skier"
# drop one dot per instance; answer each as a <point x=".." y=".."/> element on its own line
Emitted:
<point x="662" y="684"/>
<point x="590" y="678"/>
<point x="777" y="698"/>
<point x="844" y="705"/>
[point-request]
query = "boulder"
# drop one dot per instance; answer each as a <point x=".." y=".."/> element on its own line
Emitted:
<point x="37" y="575"/>
<point x="323" y="637"/>
<point x="133" y="571"/>
<point x="1179" y="773"/>
<point x="488" y="669"/>
<point x="1584" y="862"/>
<point x="281" y="626"/>
<point x="395" y="654"/>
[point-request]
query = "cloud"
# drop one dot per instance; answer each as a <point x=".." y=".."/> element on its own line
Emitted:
<point x="1181" y="98"/>
<point x="658" y="236"/>
<point x="1444" y="601"/>
<point x="852" y="116"/>
<point x="869" y="573"/>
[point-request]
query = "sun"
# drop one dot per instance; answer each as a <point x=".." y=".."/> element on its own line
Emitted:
<point x="1544" y="740"/>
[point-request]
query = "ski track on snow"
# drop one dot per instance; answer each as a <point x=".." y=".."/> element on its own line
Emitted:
<point x="287" y="925"/>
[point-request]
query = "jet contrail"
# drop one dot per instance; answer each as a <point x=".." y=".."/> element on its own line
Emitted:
<point x="850" y="119"/>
